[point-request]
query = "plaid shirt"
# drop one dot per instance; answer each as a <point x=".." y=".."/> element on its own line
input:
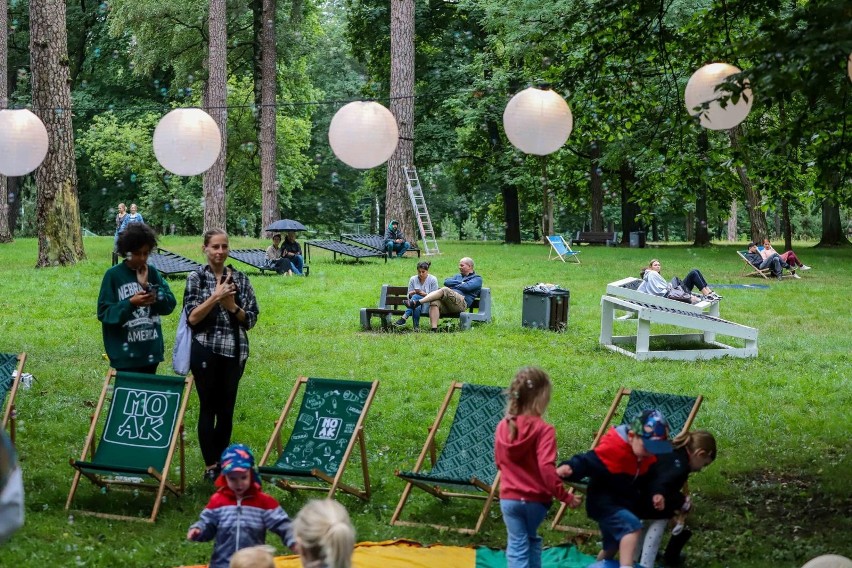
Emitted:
<point x="218" y="337"/>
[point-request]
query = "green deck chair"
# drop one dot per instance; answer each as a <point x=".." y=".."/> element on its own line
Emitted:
<point x="142" y="430"/>
<point x="466" y="467"/>
<point x="329" y="424"/>
<point x="679" y="411"/>
<point x="11" y="370"/>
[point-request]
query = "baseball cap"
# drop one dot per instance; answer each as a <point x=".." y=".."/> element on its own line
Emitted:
<point x="236" y="458"/>
<point x="652" y="427"/>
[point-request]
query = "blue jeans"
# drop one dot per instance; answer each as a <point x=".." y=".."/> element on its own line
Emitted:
<point x="522" y="519"/>
<point x="297" y="263"/>
<point x="694" y="280"/>
<point x="399" y="248"/>
<point x="415" y="314"/>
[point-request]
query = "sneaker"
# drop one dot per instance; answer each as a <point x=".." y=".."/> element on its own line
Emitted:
<point x="413" y="304"/>
<point x="434" y="330"/>
<point x="211" y="474"/>
<point x="804" y="267"/>
<point x="399" y="323"/>
<point x="795" y="275"/>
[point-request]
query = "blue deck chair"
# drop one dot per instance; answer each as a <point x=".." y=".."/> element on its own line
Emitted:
<point x="679" y="411"/>
<point x="11" y="370"/>
<point x="560" y="247"/>
<point x="142" y="430"/>
<point x="329" y="424"/>
<point x="466" y="468"/>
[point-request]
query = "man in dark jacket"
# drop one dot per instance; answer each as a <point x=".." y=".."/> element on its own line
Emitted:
<point x="456" y="296"/>
<point x="395" y="241"/>
<point x="773" y="263"/>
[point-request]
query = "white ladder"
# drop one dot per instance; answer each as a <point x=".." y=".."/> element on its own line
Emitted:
<point x="418" y="203"/>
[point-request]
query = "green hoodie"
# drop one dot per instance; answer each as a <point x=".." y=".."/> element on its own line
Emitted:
<point x="133" y="336"/>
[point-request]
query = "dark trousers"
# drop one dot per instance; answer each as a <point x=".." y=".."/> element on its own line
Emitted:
<point x="216" y="381"/>
<point x="694" y="280"/>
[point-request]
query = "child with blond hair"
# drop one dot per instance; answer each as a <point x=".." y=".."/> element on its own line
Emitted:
<point x="525" y="452"/>
<point x="325" y="535"/>
<point x="253" y="557"/>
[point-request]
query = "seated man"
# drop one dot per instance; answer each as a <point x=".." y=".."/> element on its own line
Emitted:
<point x="773" y="263"/>
<point x="274" y="260"/>
<point x="395" y="240"/>
<point x="456" y="296"/>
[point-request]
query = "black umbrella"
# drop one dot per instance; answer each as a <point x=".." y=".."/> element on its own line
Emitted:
<point x="285" y="225"/>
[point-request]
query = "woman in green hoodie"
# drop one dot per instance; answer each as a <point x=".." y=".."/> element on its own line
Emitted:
<point x="133" y="296"/>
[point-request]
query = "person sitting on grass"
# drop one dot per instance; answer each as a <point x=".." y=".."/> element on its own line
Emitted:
<point x="680" y="290"/>
<point x="774" y="263"/>
<point x="663" y="499"/>
<point x="789" y="256"/>
<point x="239" y="513"/>
<point x="325" y="535"/>
<point x="419" y="285"/>
<point x="395" y="241"/>
<point x="274" y="258"/>
<point x="616" y="469"/>
<point x="456" y="296"/>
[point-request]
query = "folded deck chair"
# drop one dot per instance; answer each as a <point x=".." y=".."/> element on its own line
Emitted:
<point x="11" y="369"/>
<point x="562" y="249"/>
<point x="141" y="431"/>
<point x="329" y="424"/>
<point x="466" y="467"/>
<point x="679" y="411"/>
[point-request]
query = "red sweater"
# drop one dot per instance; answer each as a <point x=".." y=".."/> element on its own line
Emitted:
<point x="527" y="464"/>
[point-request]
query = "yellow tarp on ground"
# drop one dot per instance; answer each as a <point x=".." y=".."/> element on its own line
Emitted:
<point x="400" y="554"/>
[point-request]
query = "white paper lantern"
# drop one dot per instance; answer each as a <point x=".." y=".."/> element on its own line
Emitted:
<point x="23" y="142"/>
<point x="829" y="561"/>
<point x="363" y="134"/>
<point x="187" y="141"/>
<point x="537" y="121"/>
<point x="701" y="88"/>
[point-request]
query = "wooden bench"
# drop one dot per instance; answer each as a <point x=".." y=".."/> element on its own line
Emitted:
<point x="391" y="305"/>
<point x="596" y="238"/>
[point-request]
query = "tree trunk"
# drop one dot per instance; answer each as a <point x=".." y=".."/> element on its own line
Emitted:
<point x="596" y="187"/>
<point x="546" y="203"/>
<point x="268" y="90"/>
<point x="402" y="107"/>
<point x="511" y="202"/>
<point x="60" y="240"/>
<point x="215" y="103"/>
<point x="759" y="229"/>
<point x="732" y="222"/>
<point x="832" y="228"/>
<point x="5" y="230"/>
<point x="787" y="226"/>
<point x="629" y="209"/>
<point x="689" y="225"/>
<point x="702" y="232"/>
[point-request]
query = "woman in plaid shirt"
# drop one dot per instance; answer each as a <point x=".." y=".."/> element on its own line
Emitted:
<point x="220" y="306"/>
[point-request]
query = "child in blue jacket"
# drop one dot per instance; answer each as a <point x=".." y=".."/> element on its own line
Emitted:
<point x="615" y="469"/>
<point x="239" y="513"/>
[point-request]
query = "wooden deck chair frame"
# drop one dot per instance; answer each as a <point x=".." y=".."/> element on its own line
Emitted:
<point x="162" y="477"/>
<point x="752" y="270"/>
<point x="556" y="241"/>
<point x="10" y="412"/>
<point x="335" y="482"/>
<point x="490" y="491"/>
<point x="613" y="408"/>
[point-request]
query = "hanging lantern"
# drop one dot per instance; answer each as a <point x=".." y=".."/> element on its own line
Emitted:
<point x="829" y="561"/>
<point x="187" y="141"/>
<point x="363" y="134"/>
<point x="23" y="142"/>
<point x="701" y="88"/>
<point x="537" y="121"/>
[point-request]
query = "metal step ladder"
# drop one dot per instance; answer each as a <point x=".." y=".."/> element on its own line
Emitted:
<point x="421" y="212"/>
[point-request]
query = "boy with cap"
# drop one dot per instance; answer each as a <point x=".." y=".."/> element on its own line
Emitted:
<point x="615" y="468"/>
<point x="239" y="513"/>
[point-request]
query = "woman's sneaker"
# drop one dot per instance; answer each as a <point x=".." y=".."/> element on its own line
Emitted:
<point x="804" y="267"/>
<point x="399" y="323"/>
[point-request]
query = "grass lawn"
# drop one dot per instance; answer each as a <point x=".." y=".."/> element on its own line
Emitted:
<point x="778" y="494"/>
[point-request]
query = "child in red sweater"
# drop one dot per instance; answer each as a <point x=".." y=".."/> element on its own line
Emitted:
<point x="525" y="452"/>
